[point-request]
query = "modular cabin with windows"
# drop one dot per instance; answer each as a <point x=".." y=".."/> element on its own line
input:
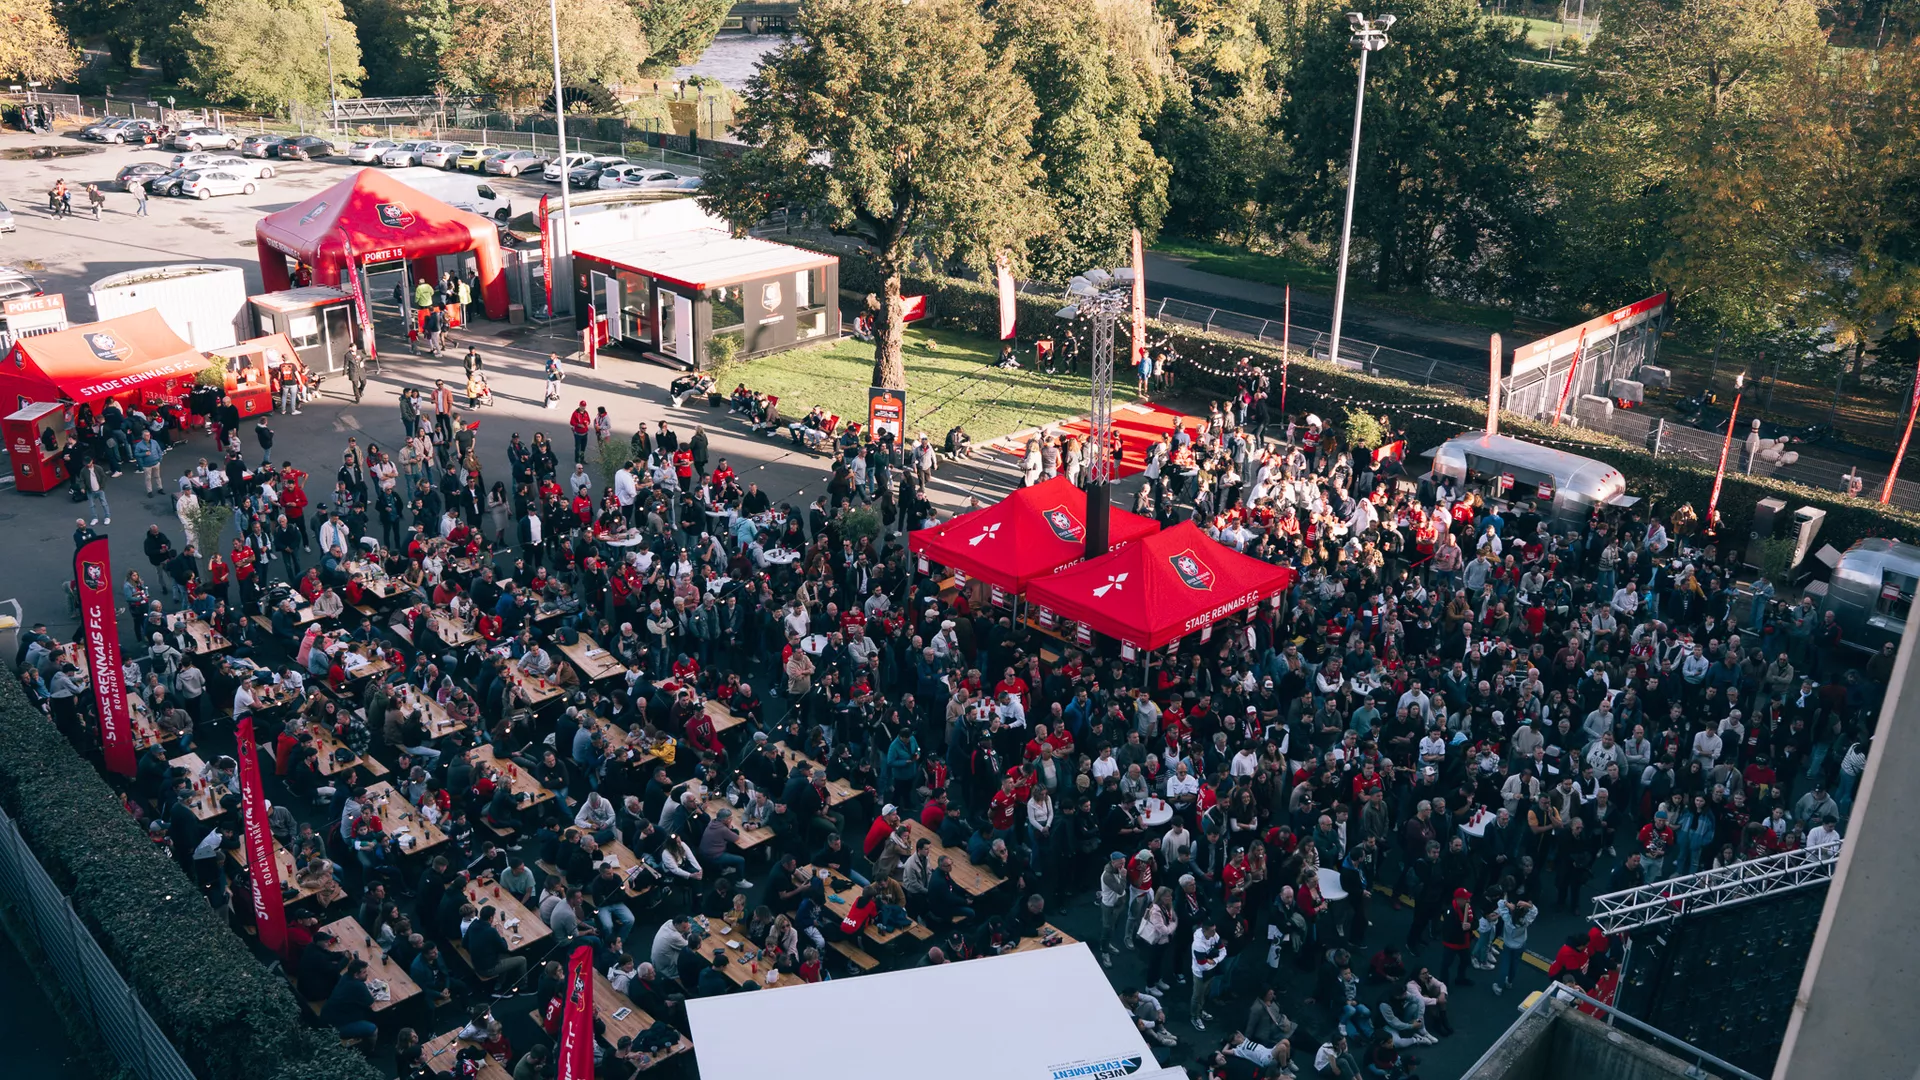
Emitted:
<point x="671" y="295"/>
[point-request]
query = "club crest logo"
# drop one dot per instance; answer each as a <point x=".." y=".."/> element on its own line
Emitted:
<point x="1115" y="583"/>
<point x="984" y="534"/>
<point x="394" y="215"/>
<point x="770" y="296"/>
<point x="1064" y="525"/>
<point x="106" y="346"/>
<point x="1196" y="574"/>
<point x="93" y="575"/>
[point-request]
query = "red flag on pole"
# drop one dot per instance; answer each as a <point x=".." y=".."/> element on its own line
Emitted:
<point x="1139" y="300"/>
<point x="1726" y="444"/>
<point x="1886" y="490"/>
<point x="360" y="309"/>
<point x="269" y="913"/>
<point x="576" y="1023"/>
<point x="93" y="580"/>
<point x="1009" y="310"/>
<point x="546" y="254"/>
<point x="1579" y="347"/>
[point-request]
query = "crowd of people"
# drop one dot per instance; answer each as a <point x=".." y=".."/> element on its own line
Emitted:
<point x="1463" y="706"/>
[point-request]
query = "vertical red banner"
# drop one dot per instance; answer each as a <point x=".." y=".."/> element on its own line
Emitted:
<point x="360" y="309"/>
<point x="1003" y="278"/>
<point x="93" y="578"/>
<point x="576" y="1024"/>
<point x="269" y="913"/>
<point x="1139" y="300"/>
<point x="546" y="254"/>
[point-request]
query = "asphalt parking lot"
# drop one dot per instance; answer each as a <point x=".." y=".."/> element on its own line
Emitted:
<point x="70" y="255"/>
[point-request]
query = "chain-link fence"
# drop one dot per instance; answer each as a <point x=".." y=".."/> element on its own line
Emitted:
<point x="1365" y="356"/>
<point x="111" y="1010"/>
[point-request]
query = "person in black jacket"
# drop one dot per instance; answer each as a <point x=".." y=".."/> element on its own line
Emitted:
<point x="320" y="967"/>
<point x="491" y="957"/>
<point x="349" y="1007"/>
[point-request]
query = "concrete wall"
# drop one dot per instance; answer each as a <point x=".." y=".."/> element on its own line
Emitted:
<point x="1558" y="1041"/>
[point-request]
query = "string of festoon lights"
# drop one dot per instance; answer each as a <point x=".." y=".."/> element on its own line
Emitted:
<point x="1304" y="379"/>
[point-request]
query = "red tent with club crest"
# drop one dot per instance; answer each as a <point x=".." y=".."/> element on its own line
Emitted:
<point x="1027" y="535"/>
<point x="1161" y="588"/>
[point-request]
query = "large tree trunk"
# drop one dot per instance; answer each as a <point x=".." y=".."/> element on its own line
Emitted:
<point x="889" y="365"/>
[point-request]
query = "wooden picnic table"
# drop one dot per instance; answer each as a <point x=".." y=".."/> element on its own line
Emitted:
<point x="439" y="1055"/>
<point x="326" y="742"/>
<point x="538" y="691"/>
<point x="715" y="802"/>
<point x="373" y="578"/>
<point x="620" y="1019"/>
<point x="354" y="939"/>
<point x="723" y="718"/>
<point x="397" y="815"/>
<point x="838" y="791"/>
<point x="146" y="733"/>
<point x="434" y="714"/>
<point x="283" y="860"/>
<point x="594" y="662"/>
<point x="518" y="779"/>
<point x="1028" y="944"/>
<point x="206" y="640"/>
<point x="739" y="968"/>
<point x="529" y="929"/>
<point x="841" y="903"/>
<point x="303" y="617"/>
<point x="972" y="880"/>
<point x="624" y="858"/>
<point x="453" y="632"/>
<point x="205" y="799"/>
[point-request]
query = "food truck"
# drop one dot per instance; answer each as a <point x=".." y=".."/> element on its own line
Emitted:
<point x="1871" y="591"/>
<point x="1567" y="486"/>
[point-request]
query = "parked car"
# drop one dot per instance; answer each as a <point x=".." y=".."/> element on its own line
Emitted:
<point x="302" y="148"/>
<point x="253" y="170"/>
<point x="194" y="160"/>
<point x="203" y="138"/>
<point x="144" y="171"/>
<point x="259" y="145"/>
<point x="473" y="157"/>
<point x="404" y="154"/>
<point x="515" y="162"/>
<point x="551" y="174"/>
<point x="587" y="174"/>
<point x="123" y="130"/>
<point x="168" y="183"/>
<point x="368" y="151"/>
<point x="6" y="218"/>
<point x="441" y="155"/>
<point x="15" y="283"/>
<point x="645" y="178"/>
<point x="206" y="183"/>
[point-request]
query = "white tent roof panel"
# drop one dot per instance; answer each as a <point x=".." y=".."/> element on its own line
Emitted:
<point x="702" y="258"/>
<point x="1076" y="1028"/>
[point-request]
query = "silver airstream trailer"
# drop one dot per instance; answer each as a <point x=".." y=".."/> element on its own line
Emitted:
<point x="1872" y="590"/>
<point x="1568" y="485"/>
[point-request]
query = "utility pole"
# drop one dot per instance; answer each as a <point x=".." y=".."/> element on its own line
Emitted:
<point x="1371" y="36"/>
<point x="333" y="93"/>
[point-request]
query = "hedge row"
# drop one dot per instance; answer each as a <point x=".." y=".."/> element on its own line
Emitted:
<point x="230" y="1018"/>
<point x="1428" y="416"/>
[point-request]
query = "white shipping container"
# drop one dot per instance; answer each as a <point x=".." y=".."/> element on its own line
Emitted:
<point x="205" y="303"/>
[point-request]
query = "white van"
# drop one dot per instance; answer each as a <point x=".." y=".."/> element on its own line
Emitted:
<point x="468" y="192"/>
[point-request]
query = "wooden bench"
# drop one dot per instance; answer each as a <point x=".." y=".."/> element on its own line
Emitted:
<point x="504" y="832"/>
<point x="855" y="955"/>
<point x="367" y="611"/>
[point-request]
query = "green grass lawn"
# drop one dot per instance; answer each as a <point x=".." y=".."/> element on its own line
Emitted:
<point x="1235" y="262"/>
<point x="950" y="380"/>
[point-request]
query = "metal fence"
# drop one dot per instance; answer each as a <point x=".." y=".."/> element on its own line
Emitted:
<point x="112" y="1011"/>
<point x="1659" y="434"/>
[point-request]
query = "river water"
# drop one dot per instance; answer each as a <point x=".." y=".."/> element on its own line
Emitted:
<point x="732" y="58"/>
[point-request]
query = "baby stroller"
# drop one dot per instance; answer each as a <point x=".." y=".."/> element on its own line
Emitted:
<point x="478" y="392"/>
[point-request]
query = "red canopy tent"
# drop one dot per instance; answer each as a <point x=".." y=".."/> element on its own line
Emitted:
<point x="1028" y="534"/>
<point x="371" y="217"/>
<point x="99" y="360"/>
<point x="1161" y="589"/>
